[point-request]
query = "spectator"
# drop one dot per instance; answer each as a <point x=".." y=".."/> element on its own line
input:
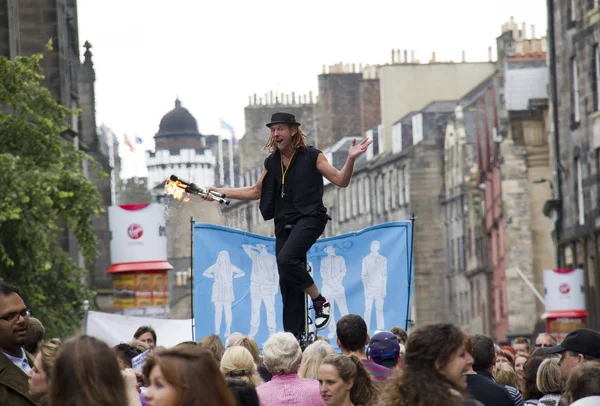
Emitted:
<point x="35" y="336"/>
<point x="237" y="363"/>
<point x="545" y="340"/>
<point x="86" y="372"/>
<point x="583" y="385"/>
<point x="41" y="373"/>
<point x="531" y="393"/>
<point x="344" y="380"/>
<point x="244" y="393"/>
<point x="522" y="345"/>
<point x="281" y="355"/>
<point x="352" y="337"/>
<point x="214" y="344"/>
<point x="549" y="382"/>
<point x="147" y="335"/>
<point x="384" y="349"/>
<point x="578" y="346"/>
<point x="400" y="333"/>
<point x="482" y="385"/>
<point x="505" y="375"/>
<point x="436" y="359"/>
<point x="312" y="357"/>
<point x="125" y="353"/>
<point x="186" y="375"/>
<point x="519" y="363"/>
<point x="504" y="357"/>
<point x="250" y="344"/>
<point x="14" y="361"/>
<point x="232" y="339"/>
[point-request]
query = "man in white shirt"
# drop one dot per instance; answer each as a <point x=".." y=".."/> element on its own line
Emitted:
<point x="14" y="362"/>
<point x="374" y="278"/>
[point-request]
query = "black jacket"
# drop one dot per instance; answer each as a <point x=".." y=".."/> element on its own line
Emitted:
<point x="483" y="388"/>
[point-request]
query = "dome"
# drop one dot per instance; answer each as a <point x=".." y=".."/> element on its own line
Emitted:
<point x="178" y="121"/>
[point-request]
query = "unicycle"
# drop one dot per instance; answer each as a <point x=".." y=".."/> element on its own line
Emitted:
<point x="307" y="337"/>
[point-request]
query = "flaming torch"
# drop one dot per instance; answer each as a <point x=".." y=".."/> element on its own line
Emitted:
<point x="181" y="189"/>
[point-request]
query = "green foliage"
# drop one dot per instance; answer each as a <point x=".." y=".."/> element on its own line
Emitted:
<point x="43" y="189"/>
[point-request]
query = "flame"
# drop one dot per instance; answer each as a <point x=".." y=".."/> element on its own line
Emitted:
<point x="177" y="190"/>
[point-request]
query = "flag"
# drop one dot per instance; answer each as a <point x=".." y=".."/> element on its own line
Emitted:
<point x="229" y="127"/>
<point x="129" y="144"/>
<point x="139" y="140"/>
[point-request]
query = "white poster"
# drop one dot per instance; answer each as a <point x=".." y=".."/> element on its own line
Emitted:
<point x="564" y="289"/>
<point x="114" y="329"/>
<point x="138" y="233"/>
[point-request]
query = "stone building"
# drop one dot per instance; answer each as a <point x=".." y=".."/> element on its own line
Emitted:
<point x="576" y="142"/>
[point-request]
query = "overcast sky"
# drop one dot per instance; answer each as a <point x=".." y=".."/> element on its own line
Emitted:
<point x="213" y="55"/>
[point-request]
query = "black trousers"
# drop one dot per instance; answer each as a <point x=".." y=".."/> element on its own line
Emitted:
<point x="291" y="246"/>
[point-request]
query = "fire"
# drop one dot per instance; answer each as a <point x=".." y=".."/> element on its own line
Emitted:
<point x="177" y="190"/>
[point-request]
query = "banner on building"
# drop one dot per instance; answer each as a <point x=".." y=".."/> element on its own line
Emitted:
<point x="138" y="233"/>
<point x="236" y="281"/>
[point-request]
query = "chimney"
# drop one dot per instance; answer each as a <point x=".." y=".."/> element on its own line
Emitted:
<point x="260" y="101"/>
<point x="270" y="97"/>
<point x="276" y="97"/>
<point x="405" y="56"/>
<point x="412" y="56"/>
<point x="489" y="54"/>
<point x="353" y="68"/>
<point x="293" y="97"/>
<point x="399" y="56"/>
<point x="532" y="31"/>
<point x="249" y="100"/>
<point x="324" y="69"/>
<point x="255" y="98"/>
<point x="463" y="57"/>
<point x="287" y="98"/>
<point x="432" y="57"/>
<point x="310" y="95"/>
<point x="266" y="98"/>
<point x="524" y="30"/>
<point x="360" y="68"/>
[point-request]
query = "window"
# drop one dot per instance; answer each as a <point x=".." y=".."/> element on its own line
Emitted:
<point x="394" y="186"/>
<point x="406" y="186"/>
<point x="379" y="194"/>
<point x="572" y="10"/>
<point x="396" y="138"/>
<point x="348" y="199"/>
<point x="386" y="191"/>
<point x="361" y="195"/>
<point x="401" y="187"/>
<point x="354" y="186"/>
<point x="340" y="193"/>
<point x="367" y="194"/>
<point x="579" y="191"/>
<point x="574" y="91"/>
<point x="596" y="77"/>
<point x="417" y="128"/>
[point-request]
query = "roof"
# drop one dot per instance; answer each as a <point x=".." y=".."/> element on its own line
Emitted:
<point x="474" y="94"/>
<point x="524" y="80"/>
<point x="178" y="121"/>
<point x="439" y="106"/>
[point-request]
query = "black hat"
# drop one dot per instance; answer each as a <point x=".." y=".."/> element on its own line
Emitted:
<point x="582" y="341"/>
<point x="283" y="118"/>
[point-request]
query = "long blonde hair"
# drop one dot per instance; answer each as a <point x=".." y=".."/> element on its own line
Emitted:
<point x="237" y="362"/>
<point x="298" y="139"/>
<point x="312" y="357"/>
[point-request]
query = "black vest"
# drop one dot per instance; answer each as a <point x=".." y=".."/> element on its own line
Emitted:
<point x="304" y="178"/>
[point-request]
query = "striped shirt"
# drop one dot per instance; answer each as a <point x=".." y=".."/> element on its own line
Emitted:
<point x="290" y="390"/>
<point x="515" y="395"/>
<point x="378" y="372"/>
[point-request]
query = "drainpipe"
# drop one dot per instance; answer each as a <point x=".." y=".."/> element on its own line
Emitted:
<point x="554" y="112"/>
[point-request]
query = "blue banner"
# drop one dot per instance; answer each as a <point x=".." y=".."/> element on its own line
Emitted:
<point x="236" y="282"/>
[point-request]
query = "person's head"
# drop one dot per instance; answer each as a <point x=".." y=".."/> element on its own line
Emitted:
<point x="86" y="372"/>
<point x="400" y="333"/>
<point x="352" y="334"/>
<point x="147" y="335"/>
<point x="125" y="353"/>
<point x="374" y="246"/>
<point x="282" y="354"/>
<point x="14" y="320"/>
<point x="138" y="346"/>
<point x="578" y="346"/>
<point x="520" y="361"/>
<point x="505" y="375"/>
<point x="185" y="375"/>
<point x="41" y="373"/>
<point x="285" y="133"/>
<point x="244" y="393"/>
<point x="384" y="349"/>
<point x="584" y="381"/>
<point x="250" y="344"/>
<point x="504" y="357"/>
<point x="237" y="363"/>
<point x="435" y="362"/>
<point x="232" y="339"/>
<point x="330" y="250"/>
<point x="545" y="340"/>
<point x="342" y="378"/>
<point x="35" y="336"/>
<point x="483" y="353"/>
<point x="548" y="378"/>
<point x="530" y="370"/>
<point x="214" y="344"/>
<point x="522" y="344"/>
<point x="312" y="357"/>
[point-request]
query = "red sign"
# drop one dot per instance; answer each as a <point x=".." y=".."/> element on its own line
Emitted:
<point x="135" y="231"/>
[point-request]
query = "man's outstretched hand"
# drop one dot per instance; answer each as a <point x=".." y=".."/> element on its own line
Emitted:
<point x="357" y="150"/>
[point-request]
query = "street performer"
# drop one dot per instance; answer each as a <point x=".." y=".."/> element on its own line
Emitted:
<point x="290" y="189"/>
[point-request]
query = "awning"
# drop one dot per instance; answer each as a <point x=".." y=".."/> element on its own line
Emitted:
<point x="565" y="314"/>
<point x="140" y="267"/>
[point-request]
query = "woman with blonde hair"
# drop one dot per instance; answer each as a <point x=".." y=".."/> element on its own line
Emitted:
<point x="249" y="343"/>
<point x="504" y="374"/>
<point x="214" y="344"/>
<point x="343" y="380"/>
<point x="237" y="363"/>
<point x="41" y="373"/>
<point x="549" y="382"/>
<point x="312" y="357"/>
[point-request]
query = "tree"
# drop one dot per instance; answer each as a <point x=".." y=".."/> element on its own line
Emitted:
<point x="43" y="190"/>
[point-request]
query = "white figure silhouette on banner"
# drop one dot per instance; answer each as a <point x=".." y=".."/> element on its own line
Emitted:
<point x="333" y="270"/>
<point x="374" y="278"/>
<point x="264" y="284"/>
<point x="223" y="272"/>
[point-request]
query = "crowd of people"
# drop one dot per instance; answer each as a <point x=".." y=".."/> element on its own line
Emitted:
<point x="438" y="364"/>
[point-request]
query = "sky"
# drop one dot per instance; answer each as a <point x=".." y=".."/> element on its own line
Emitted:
<point x="214" y="54"/>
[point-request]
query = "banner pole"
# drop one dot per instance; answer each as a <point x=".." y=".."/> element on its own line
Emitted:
<point x="410" y="268"/>
<point x="192" y="274"/>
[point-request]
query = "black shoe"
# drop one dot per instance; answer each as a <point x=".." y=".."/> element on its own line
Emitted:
<point x="322" y="312"/>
